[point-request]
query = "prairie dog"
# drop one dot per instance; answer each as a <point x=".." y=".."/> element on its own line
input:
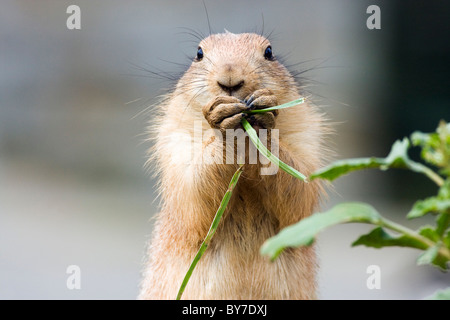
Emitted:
<point x="230" y="73"/>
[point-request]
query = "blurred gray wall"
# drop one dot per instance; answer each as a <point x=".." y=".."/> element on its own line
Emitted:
<point x="73" y="116"/>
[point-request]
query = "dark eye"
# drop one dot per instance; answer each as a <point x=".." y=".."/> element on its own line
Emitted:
<point x="199" y="54"/>
<point x="268" y="53"/>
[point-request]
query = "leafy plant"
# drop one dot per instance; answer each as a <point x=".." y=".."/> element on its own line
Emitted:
<point x="434" y="241"/>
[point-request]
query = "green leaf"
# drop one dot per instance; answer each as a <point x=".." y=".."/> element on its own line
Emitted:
<point x="265" y="152"/>
<point x="444" y="191"/>
<point x="397" y="158"/>
<point x="420" y="139"/>
<point x="282" y="106"/>
<point x="429" y="233"/>
<point x="446" y="239"/>
<point x="440" y="295"/>
<point x="436" y="204"/>
<point x="432" y="256"/>
<point x="435" y="146"/>
<point x="428" y="256"/>
<point x="379" y="238"/>
<point x="304" y="232"/>
<point x="341" y="167"/>
<point x="429" y="205"/>
<point x="442" y="223"/>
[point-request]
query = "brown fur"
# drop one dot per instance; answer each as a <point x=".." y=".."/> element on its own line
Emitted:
<point x="261" y="206"/>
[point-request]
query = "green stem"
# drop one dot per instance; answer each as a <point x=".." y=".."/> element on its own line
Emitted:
<point x="281" y="106"/>
<point x="212" y="229"/>
<point x="411" y="233"/>
<point x="418" y="167"/>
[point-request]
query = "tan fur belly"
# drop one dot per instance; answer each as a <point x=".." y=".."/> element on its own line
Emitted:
<point x="232" y="268"/>
<point x="224" y="275"/>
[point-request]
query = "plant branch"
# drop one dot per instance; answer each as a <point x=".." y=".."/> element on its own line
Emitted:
<point x="411" y="233"/>
<point x="418" y="167"/>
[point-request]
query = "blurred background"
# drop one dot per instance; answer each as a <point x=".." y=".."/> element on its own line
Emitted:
<point x="73" y="188"/>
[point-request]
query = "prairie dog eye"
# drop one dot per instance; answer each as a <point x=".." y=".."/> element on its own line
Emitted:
<point x="268" y="54"/>
<point x="199" y="54"/>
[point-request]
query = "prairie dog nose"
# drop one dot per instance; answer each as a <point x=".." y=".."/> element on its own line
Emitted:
<point x="230" y="78"/>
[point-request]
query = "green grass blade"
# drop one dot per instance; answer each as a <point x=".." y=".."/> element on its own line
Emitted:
<point x="282" y="106"/>
<point x="264" y="151"/>
<point x="212" y="230"/>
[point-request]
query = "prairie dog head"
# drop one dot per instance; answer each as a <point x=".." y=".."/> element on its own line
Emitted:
<point x="235" y="65"/>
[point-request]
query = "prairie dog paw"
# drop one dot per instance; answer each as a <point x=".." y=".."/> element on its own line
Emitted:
<point x="224" y="112"/>
<point x="261" y="99"/>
